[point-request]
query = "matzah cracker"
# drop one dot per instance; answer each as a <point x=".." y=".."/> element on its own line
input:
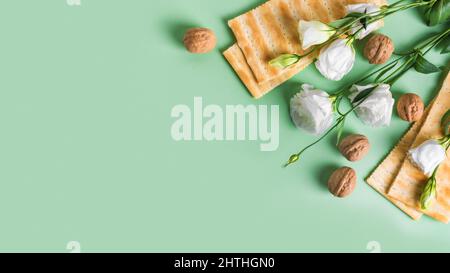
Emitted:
<point x="409" y="183"/>
<point x="271" y="30"/>
<point x="384" y="175"/>
<point x="237" y="60"/>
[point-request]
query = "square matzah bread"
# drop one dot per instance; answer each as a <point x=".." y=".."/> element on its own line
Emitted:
<point x="271" y="30"/>
<point x="384" y="175"/>
<point x="410" y="181"/>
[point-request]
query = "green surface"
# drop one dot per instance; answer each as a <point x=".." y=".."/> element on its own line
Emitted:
<point x="86" y="153"/>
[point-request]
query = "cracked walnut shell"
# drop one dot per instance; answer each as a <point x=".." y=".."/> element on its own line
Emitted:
<point x="354" y="147"/>
<point x="342" y="182"/>
<point x="410" y="107"/>
<point x="379" y="49"/>
<point x="199" y="40"/>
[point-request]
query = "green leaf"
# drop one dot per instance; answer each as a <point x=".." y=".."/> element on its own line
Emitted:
<point x="445" y="123"/>
<point x="363" y="18"/>
<point x="285" y="60"/>
<point x="364" y="22"/>
<point x="364" y="94"/>
<point x="355" y="15"/>
<point x="427" y="14"/>
<point x="339" y="23"/>
<point x="424" y="66"/>
<point x="439" y="13"/>
<point x="445" y="45"/>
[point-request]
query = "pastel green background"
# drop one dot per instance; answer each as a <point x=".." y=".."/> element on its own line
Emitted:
<point x="86" y="152"/>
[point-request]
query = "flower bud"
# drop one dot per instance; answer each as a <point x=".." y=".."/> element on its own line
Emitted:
<point x="429" y="194"/>
<point x="292" y="159"/>
<point x="285" y="60"/>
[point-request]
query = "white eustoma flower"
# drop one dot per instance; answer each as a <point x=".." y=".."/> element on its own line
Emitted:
<point x="312" y="110"/>
<point x="428" y="156"/>
<point x="364" y="8"/>
<point x="336" y="59"/>
<point x="376" y="109"/>
<point x="314" y="33"/>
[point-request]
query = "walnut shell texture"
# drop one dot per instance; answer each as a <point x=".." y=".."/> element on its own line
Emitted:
<point x="199" y="40"/>
<point x="410" y="107"/>
<point x="379" y="49"/>
<point x="342" y="182"/>
<point x="354" y="147"/>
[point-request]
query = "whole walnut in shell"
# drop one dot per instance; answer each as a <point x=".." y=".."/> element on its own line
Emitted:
<point x="342" y="182"/>
<point x="379" y="49"/>
<point x="410" y="107"/>
<point x="199" y="40"/>
<point x="354" y="147"/>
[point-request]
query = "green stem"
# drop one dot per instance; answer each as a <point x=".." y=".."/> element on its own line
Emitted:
<point x="297" y="155"/>
<point x="436" y="41"/>
<point x="342" y="91"/>
<point x="393" y="77"/>
<point x="397" y="3"/>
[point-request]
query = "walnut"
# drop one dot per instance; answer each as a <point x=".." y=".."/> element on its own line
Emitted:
<point x="354" y="147"/>
<point x="410" y="107"/>
<point x="379" y="49"/>
<point x="342" y="182"/>
<point x="199" y="40"/>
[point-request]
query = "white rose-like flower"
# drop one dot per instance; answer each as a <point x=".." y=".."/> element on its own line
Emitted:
<point x="336" y="59"/>
<point x="313" y="33"/>
<point x="364" y="8"/>
<point x="376" y="109"/>
<point x="312" y="110"/>
<point x="428" y="156"/>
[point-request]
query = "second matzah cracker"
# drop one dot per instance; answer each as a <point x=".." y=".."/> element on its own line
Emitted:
<point x="410" y="181"/>
<point x="382" y="178"/>
<point x="271" y="30"/>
